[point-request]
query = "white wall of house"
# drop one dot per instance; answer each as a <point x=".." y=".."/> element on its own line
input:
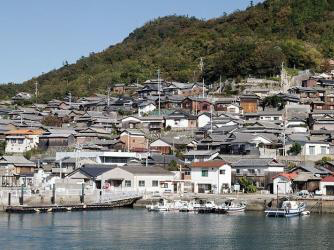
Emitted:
<point x="323" y="186"/>
<point x="316" y="149"/>
<point x="146" y="109"/>
<point x="134" y="179"/>
<point x="177" y="123"/>
<point x="270" y="117"/>
<point x="203" y="120"/>
<point x="21" y="144"/>
<point x="215" y="177"/>
<point x="233" y="109"/>
<point x="282" y="185"/>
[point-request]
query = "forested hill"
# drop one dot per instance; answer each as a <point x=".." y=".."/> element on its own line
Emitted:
<point x="254" y="41"/>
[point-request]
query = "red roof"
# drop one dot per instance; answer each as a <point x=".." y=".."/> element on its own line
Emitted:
<point x="289" y="176"/>
<point x="208" y="164"/>
<point x="328" y="179"/>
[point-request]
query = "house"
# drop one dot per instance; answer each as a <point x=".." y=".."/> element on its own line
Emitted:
<point x="146" y="107"/>
<point x="180" y="119"/>
<point x="131" y="122"/>
<point x="22" y="140"/>
<point x="211" y="176"/>
<point x="139" y="179"/>
<point x="57" y="139"/>
<point x="200" y="155"/>
<point x="16" y="165"/>
<point x="152" y="123"/>
<point x="118" y="89"/>
<point x="282" y="183"/>
<point x="92" y="175"/>
<point x="327" y="185"/>
<point x="249" y="103"/>
<point x="258" y="170"/>
<point x="134" y="140"/>
<point x="91" y="134"/>
<point x="203" y="119"/>
<point x="161" y="146"/>
<point x="311" y="146"/>
<point x="306" y="181"/>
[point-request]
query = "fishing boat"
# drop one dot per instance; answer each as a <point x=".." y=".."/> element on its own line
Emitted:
<point x="288" y="209"/>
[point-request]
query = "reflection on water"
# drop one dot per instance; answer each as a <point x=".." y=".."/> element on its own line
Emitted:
<point x="139" y="229"/>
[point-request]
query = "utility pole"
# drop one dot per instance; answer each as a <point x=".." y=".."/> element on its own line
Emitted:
<point x="70" y="98"/>
<point x="159" y="90"/>
<point x="108" y="98"/>
<point x="36" y="90"/>
<point x="201" y="64"/>
<point x="220" y="83"/>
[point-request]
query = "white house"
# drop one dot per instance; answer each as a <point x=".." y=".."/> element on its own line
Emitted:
<point x="203" y="119"/>
<point x="282" y="183"/>
<point x="179" y="119"/>
<point x="145" y="108"/>
<point x="327" y="185"/>
<point x="233" y="108"/>
<point x="211" y="176"/>
<point x="22" y="140"/>
<point x="127" y="178"/>
<point x="140" y="179"/>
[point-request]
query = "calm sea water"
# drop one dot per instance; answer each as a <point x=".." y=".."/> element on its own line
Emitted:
<point x="139" y="229"/>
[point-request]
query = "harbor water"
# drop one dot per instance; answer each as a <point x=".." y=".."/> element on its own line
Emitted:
<point x="140" y="229"/>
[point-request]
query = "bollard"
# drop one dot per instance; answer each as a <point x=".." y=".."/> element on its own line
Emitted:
<point x="9" y="198"/>
<point x="21" y="197"/>
<point x="53" y="198"/>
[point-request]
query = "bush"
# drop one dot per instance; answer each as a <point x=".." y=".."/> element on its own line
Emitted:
<point x="295" y="149"/>
<point x="247" y="185"/>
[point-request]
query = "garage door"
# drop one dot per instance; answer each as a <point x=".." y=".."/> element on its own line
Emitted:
<point x="329" y="190"/>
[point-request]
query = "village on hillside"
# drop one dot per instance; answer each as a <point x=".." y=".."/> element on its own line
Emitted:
<point x="158" y="137"/>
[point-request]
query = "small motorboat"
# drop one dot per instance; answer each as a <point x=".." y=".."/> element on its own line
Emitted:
<point x="231" y="206"/>
<point x="160" y="206"/>
<point x="288" y="209"/>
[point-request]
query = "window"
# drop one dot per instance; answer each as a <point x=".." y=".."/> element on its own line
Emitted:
<point x="251" y="171"/>
<point x="187" y="173"/>
<point x="127" y="183"/>
<point x="323" y="150"/>
<point x="155" y="183"/>
<point x="20" y="141"/>
<point x="133" y="140"/>
<point x="141" y="183"/>
<point x="276" y="118"/>
<point x="238" y="171"/>
<point x="311" y="150"/>
<point x="205" y="173"/>
<point x="222" y="171"/>
<point x="164" y="185"/>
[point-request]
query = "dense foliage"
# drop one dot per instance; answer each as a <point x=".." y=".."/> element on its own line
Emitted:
<point x="295" y="149"/>
<point x="251" y="42"/>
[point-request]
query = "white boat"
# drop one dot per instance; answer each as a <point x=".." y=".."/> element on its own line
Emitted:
<point x="288" y="209"/>
<point x="160" y="206"/>
<point x="231" y="206"/>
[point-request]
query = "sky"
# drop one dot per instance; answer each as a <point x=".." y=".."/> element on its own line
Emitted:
<point x="37" y="36"/>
